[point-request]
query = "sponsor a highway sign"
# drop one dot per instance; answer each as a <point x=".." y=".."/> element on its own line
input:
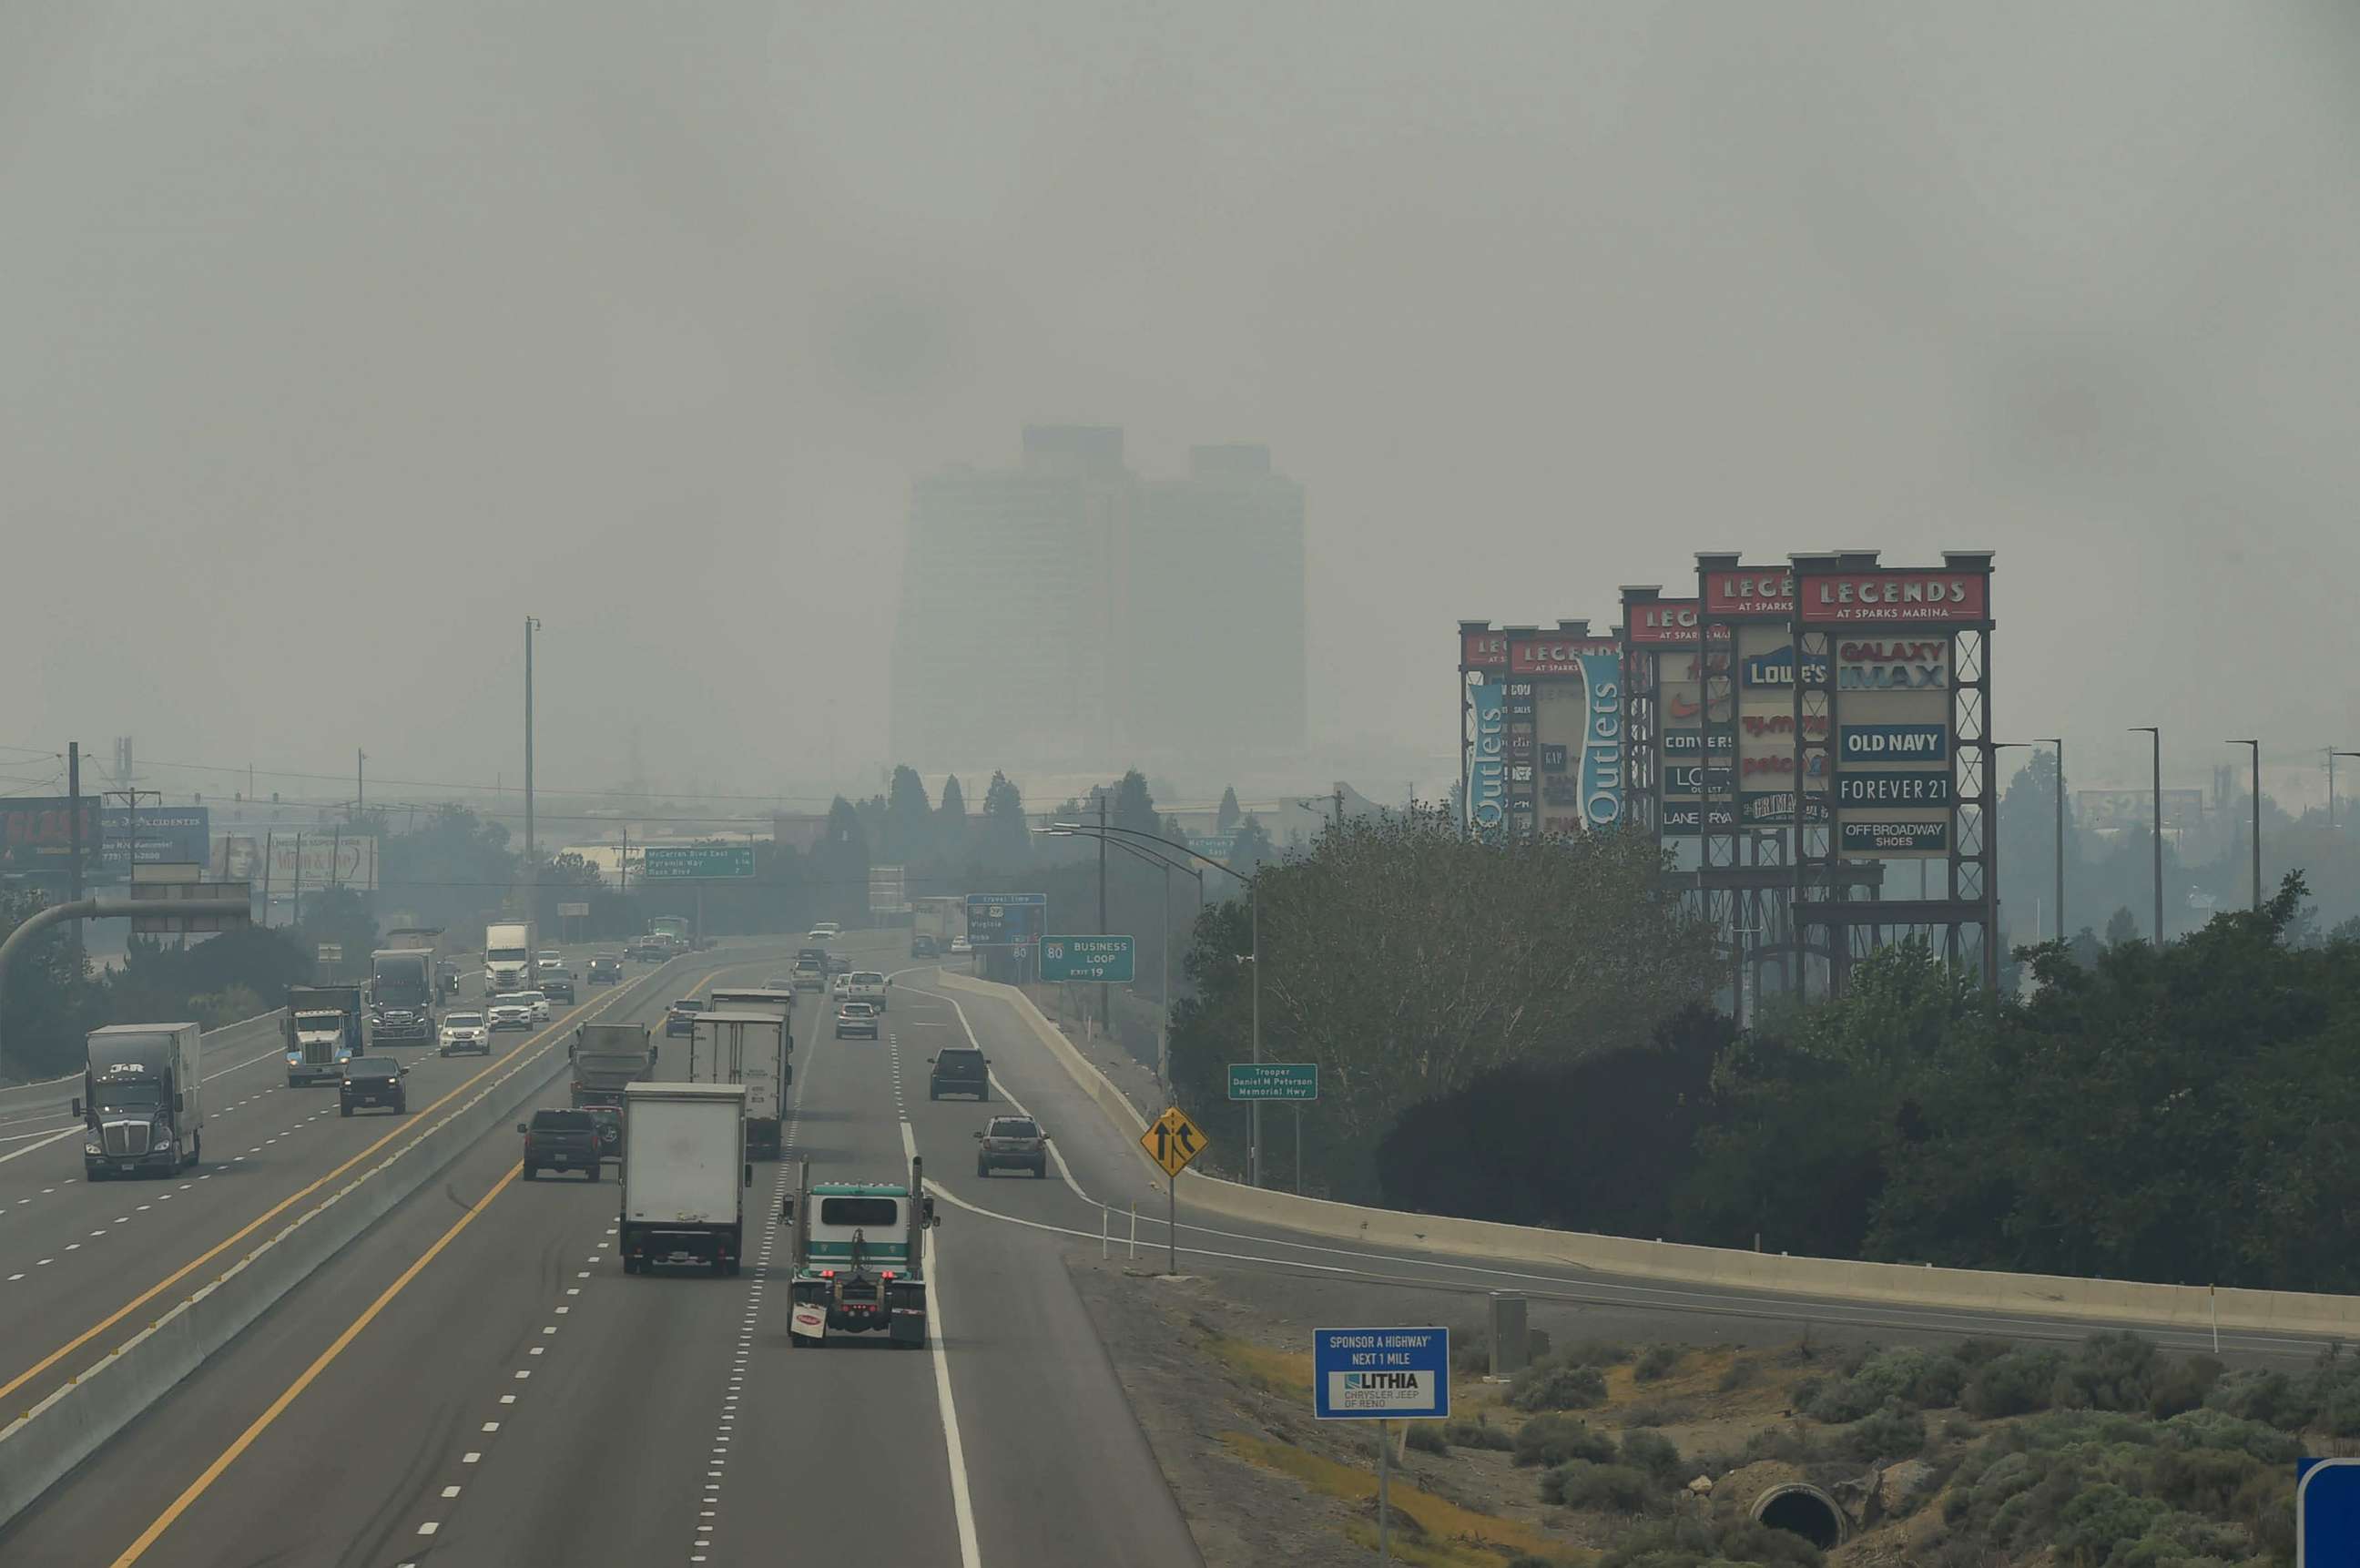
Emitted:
<point x="1374" y="1374"/>
<point x="2326" y="1512"/>
<point x="1273" y="1080"/>
<point x="1171" y="1141"/>
<point x="1109" y="959"/>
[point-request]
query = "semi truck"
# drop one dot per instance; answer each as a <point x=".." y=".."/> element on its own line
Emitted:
<point x="508" y="957"/>
<point x="859" y="1258"/>
<point x="767" y="1080"/>
<point x="608" y="1058"/>
<point x="446" y="973"/>
<point x="325" y="1030"/>
<point x="142" y="1104"/>
<point x="684" y="1176"/>
<point x="750" y="1049"/>
<point x="401" y="995"/>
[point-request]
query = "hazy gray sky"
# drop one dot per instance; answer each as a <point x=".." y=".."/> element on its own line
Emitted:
<point x="335" y="338"/>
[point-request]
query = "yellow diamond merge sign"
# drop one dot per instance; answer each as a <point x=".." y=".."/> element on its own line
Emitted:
<point x="1171" y="1141"/>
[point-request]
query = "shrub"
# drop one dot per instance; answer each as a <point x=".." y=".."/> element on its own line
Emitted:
<point x="1658" y="1362"/>
<point x="1653" y="1454"/>
<point x="1426" y="1438"/>
<point x="1977" y="1351"/>
<point x="1739" y="1374"/>
<point x="1836" y="1403"/>
<point x="1611" y="1489"/>
<point x="2181" y="1386"/>
<point x="1470" y="1349"/>
<point x="2220" y="1430"/>
<point x="1692" y="1546"/>
<point x="2271" y="1398"/>
<point x="2108" y="1372"/>
<point x="1459" y="1432"/>
<point x="2101" y="1516"/>
<point x="1895" y="1432"/>
<point x="1923" y="1379"/>
<point x="1598" y="1352"/>
<point x="1554" y="1386"/>
<point x="1656" y="1413"/>
<point x="1554" y="1438"/>
<point x="2013" y="1384"/>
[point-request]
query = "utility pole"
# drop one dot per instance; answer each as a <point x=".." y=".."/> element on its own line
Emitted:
<point x="532" y="865"/>
<point x="73" y="833"/>
<point x="2257" y="748"/>
<point x="2331" y="755"/>
<point x="623" y="861"/>
<point x="360" y="781"/>
<point x="2155" y="738"/>
<point x="2060" y="743"/>
<point x="1102" y="898"/>
<point x="1339" y="806"/>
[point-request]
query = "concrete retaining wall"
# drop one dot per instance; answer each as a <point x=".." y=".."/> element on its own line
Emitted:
<point x="2039" y="1295"/>
<point x="43" y="1444"/>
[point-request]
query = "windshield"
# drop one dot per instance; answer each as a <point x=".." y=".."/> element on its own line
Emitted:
<point x="463" y="1020"/>
<point x="370" y="1066"/>
<point x="561" y="1121"/>
<point x="1012" y="1128"/>
<point x="868" y="1213"/>
<point x="315" y="1023"/>
<point x="130" y="1096"/>
<point x="505" y="955"/>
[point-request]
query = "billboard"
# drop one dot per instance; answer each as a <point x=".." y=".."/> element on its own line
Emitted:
<point x="1933" y="597"/>
<point x="1577" y="731"/>
<point x="286" y="862"/>
<point x="37" y="834"/>
<point x="888" y="890"/>
<point x="1483" y="753"/>
<point x="2133" y="810"/>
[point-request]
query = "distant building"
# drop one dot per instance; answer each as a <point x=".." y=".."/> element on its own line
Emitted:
<point x="1068" y="614"/>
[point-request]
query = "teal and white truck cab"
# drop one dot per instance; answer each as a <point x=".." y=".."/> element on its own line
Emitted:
<point x="859" y="1258"/>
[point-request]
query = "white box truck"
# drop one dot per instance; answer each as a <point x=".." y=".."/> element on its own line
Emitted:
<point x="684" y="1176"/>
<point x="767" y="1080"/>
<point x="143" y="1102"/>
<point x="749" y="1049"/>
<point x="507" y="958"/>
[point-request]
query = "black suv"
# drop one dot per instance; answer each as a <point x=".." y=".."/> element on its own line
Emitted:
<point x="962" y="1069"/>
<point x="557" y="984"/>
<point x="606" y="969"/>
<point x="922" y="946"/>
<point x="1015" y="1143"/>
<point x="680" y="1019"/>
<point x="560" y="1140"/>
<point x="373" y="1081"/>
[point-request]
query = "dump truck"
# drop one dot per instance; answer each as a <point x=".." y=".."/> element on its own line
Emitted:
<point x="684" y="1176"/>
<point x="607" y="1058"/>
<point x="325" y="1030"/>
<point x="859" y="1258"/>
<point x="142" y="1100"/>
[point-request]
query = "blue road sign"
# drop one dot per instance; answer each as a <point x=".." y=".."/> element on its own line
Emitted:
<point x="1005" y="919"/>
<point x="1372" y="1375"/>
<point x="2326" y="1513"/>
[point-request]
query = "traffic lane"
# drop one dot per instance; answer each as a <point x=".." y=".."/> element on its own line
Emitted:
<point x="113" y="1246"/>
<point x="347" y="1472"/>
<point x="1106" y="1166"/>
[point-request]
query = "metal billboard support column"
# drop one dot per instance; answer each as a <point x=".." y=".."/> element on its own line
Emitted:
<point x="1384" y="1490"/>
<point x="1818" y="862"/>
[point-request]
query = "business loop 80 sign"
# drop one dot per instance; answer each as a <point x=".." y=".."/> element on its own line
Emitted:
<point x="1109" y="959"/>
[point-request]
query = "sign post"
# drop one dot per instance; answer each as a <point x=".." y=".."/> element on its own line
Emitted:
<point x="1103" y="959"/>
<point x="1171" y="1141"/>
<point x="1377" y="1375"/>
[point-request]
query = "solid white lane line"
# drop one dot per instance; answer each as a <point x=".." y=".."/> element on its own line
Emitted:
<point x="962" y="1506"/>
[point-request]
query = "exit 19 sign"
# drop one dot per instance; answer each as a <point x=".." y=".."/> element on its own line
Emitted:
<point x="1100" y="959"/>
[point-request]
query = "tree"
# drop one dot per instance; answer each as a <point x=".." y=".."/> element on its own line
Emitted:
<point x="1253" y="846"/>
<point x="52" y="999"/>
<point x="1133" y="809"/>
<point x="2121" y="926"/>
<point x="950" y="821"/>
<point x="840" y="861"/>
<point x="1006" y="836"/>
<point x="909" y="818"/>
<point x="1407" y="959"/>
<point x="1227" y="816"/>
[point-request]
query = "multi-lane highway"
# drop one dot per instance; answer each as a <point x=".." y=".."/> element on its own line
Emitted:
<point x="477" y="1381"/>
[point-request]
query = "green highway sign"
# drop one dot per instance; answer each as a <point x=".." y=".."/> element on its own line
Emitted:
<point x="1273" y="1080"/>
<point x="691" y="863"/>
<point x="1109" y="959"/>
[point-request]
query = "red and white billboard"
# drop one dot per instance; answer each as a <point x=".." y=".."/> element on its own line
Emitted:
<point x="1659" y="622"/>
<point x="1936" y="596"/>
<point x="1750" y="590"/>
<point x="1556" y="654"/>
<point x="1483" y="650"/>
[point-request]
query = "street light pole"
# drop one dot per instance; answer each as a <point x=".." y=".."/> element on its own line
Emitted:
<point x="2332" y="754"/>
<point x="2155" y="737"/>
<point x="2255" y="746"/>
<point x="531" y="870"/>
<point x="2058" y="742"/>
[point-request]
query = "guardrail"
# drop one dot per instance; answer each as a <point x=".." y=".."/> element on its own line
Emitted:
<point x="2196" y="1307"/>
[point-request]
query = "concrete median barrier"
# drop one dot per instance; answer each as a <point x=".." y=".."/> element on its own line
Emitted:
<point x="2190" y="1307"/>
<point x="39" y="1445"/>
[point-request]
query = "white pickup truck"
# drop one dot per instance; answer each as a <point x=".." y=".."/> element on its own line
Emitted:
<point x="867" y="985"/>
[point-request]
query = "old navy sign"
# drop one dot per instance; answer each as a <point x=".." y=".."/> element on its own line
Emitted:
<point x="1956" y="597"/>
<point x="1881" y="788"/>
<point x="1894" y="742"/>
<point x="1750" y="590"/>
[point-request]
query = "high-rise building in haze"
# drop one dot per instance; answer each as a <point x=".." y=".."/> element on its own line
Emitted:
<point x="1068" y="614"/>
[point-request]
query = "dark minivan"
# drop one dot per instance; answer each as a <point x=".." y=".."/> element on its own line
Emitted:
<point x="962" y="1069"/>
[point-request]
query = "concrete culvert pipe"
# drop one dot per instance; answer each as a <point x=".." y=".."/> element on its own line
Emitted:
<point x="1800" y="1509"/>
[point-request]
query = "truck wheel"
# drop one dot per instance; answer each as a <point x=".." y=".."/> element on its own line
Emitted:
<point x="532" y="1173"/>
<point x="196" y="1148"/>
<point x="347" y="1109"/>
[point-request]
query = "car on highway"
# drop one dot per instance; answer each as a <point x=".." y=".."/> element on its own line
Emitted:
<point x="446" y="976"/>
<point x="548" y="958"/>
<point x="560" y="1140"/>
<point x="857" y="1019"/>
<point x="922" y="946"/>
<point x="681" y="1017"/>
<point x="838" y="964"/>
<point x="608" y="1122"/>
<point x="839" y="989"/>
<point x="606" y="968"/>
<point x="961" y="945"/>
<point x="373" y="1083"/>
<point x="463" y="1032"/>
<point x="557" y="984"/>
<point x="534" y="1000"/>
<point x="867" y="985"/>
<point x="1013" y="1143"/>
<point x="958" y="1069"/>
<point x="778" y="984"/>
<point x="508" y="1012"/>
<point x="648" y="950"/>
<point x="826" y="930"/>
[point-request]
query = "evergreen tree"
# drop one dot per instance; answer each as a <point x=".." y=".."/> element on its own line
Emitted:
<point x="1253" y="846"/>
<point x="1227" y="818"/>
<point x="950" y="821"/>
<point x="1006" y="841"/>
<point x="909" y="818"/>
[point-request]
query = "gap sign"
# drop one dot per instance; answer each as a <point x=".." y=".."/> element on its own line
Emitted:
<point x="1108" y="958"/>
<point x="1374" y="1374"/>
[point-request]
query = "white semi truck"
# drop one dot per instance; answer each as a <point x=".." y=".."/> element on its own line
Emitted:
<point x="749" y="1049"/>
<point x="684" y="1176"/>
<point x="143" y="1100"/>
<point x="507" y="958"/>
<point x="767" y="1077"/>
